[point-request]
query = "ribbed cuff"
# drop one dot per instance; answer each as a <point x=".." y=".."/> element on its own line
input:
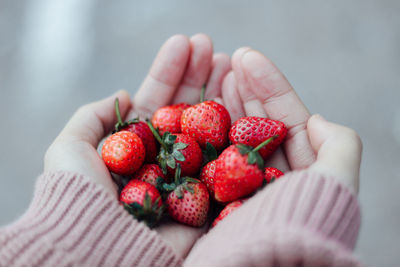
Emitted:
<point x="302" y="219"/>
<point x="73" y="221"/>
<point x="315" y="202"/>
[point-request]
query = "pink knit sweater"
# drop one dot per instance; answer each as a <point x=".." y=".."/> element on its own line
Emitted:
<point x="303" y="219"/>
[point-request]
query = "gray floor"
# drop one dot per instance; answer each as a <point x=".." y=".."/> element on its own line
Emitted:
<point x="342" y="57"/>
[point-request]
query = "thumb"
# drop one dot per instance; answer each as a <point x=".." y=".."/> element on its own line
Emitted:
<point x="338" y="150"/>
<point x="92" y="121"/>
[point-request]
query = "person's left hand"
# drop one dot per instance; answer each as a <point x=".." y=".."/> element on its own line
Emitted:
<point x="180" y="69"/>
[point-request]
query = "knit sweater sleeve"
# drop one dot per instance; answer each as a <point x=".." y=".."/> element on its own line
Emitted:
<point x="302" y="219"/>
<point x="74" y="222"/>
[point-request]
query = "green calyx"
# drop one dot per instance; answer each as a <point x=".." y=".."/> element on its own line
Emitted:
<point x="179" y="185"/>
<point x="253" y="155"/>
<point x="209" y="153"/>
<point x="150" y="212"/>
<point x="170" y="151"/>
<point x="202" y="93"/>
<point x="121" y="124"/>
<point x="169" y="155"/>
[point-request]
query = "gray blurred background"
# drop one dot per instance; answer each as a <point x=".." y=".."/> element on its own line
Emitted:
<point x="342" y="57"/>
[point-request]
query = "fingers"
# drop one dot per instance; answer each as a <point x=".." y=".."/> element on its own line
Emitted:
<point x="93" y="121"/>
<point x="221" y="65"/>
<point x="166" y="73"/>
<point x="198" y="70"/>
<point x="231" y="97"/>
<point x="338" y="150"/>
<point x="251" y="105"/>
<point x="261" y="83"/>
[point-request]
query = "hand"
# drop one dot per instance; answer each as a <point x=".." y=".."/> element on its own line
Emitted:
<point x="256" y="87"/>
<point x="180" y="69"/>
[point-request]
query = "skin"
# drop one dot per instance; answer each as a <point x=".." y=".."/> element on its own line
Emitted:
<point x="249" y="84"/>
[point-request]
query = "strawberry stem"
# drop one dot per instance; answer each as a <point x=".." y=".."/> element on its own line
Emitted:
<point x="156" y="135"/>
<point x="202" y="93"/>
<point x="266" y="142"/>
<point x="120" y="122"/>
<point x="178" y="174"/>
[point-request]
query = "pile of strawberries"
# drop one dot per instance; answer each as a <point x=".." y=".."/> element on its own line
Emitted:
<point x="189" y="157"/>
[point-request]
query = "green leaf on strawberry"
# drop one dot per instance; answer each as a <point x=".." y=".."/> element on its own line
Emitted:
<point x="150" y="212"/>
<point x="143" y="201"/>
<point x="178" y="155"/>
<point x="253" y="155"/>
<point x="169" y="139"/>
<point x="177" y="148"/>
<point x="180" y="146"/>
<point x="209" y="153"/>
<point x="244" y="149"/>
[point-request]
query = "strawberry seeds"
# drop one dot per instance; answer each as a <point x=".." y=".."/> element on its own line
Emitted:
<point x="202" y="159"/>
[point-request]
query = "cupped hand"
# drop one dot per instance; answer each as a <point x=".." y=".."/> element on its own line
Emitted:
<point x="182" y="66"/>
<point x="256" y="87"/>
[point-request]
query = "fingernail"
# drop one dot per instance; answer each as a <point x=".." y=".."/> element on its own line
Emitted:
<point x="255" y="63"/>
<point x="242" y="50"/>
<point x="319" y="117"/>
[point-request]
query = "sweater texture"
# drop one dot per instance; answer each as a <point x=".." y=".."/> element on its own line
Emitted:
<point x="302" y="219"/>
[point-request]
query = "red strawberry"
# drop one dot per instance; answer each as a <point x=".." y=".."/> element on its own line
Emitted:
<point x="192" y="156"/>
<point x="189" y="200"/>
<point x="178" y="148"/>
<point x="239" y="172"/>
<point x="142" y="130"/>
<point x="207" y="122"/>
<point x="227" y="210"/>
<point x="168" y="119"/>
<point x="252" y="131"/>
<point x="272" y="174"/>
<point x="149" y="173"/>
<point x="143" y="201"/>
<point x="191" y="207"/>
<point x="207" y="176"/>
<point x="123" y="153"/>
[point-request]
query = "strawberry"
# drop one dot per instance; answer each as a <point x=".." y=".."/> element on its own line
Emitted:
<point x="252" y="131"/>
<point x="207" y="176"/>
<point x="123" y="153"/>
<point x="141" y="129"/>
<point x="207" y="122"/>
<point x="168" y="118"/>
<point x="143" y="201"/>
<point x="189" y="201"/>
<point x="227" y="210"/>
<point x="239" y="172"/>
<point x="272" y="174"/>
<point x="178" y="148"/>
<point x="192" y="156"/>
<point x="149" y="173"/>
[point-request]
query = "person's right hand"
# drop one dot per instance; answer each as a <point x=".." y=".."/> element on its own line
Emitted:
<point x="256" y="87"/>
